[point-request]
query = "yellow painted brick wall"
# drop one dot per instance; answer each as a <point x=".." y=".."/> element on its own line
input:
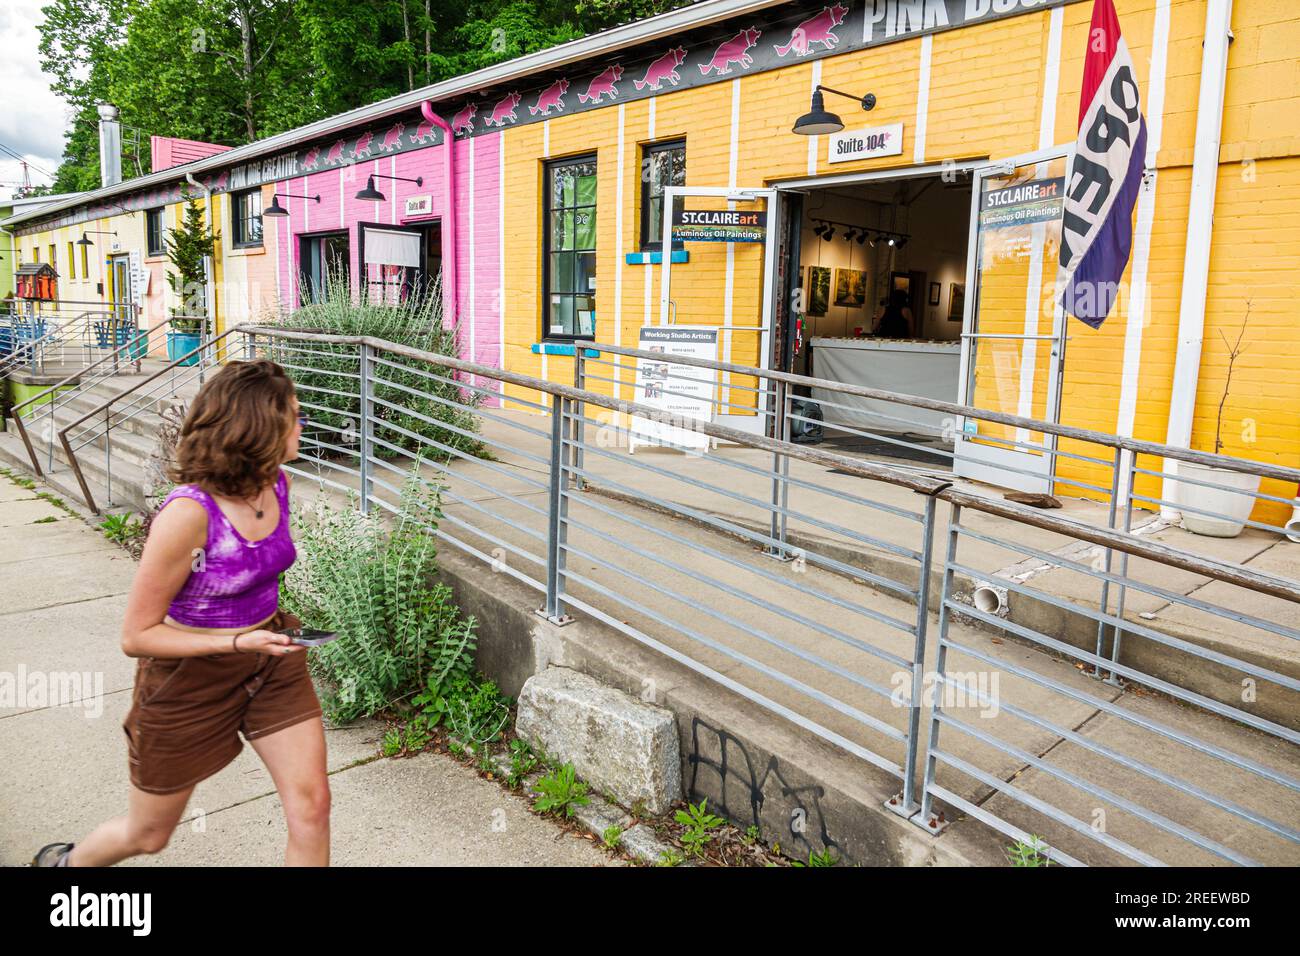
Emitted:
<point x="1255" y="264"/>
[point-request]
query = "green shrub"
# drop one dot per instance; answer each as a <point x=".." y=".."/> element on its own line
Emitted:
<point x="121" y="529"/>
<point x="474" y="710"/>
<point x="698" y="822"/>
<point x="376" y="586"/>
<point x="328" y="384"/>
<point x="561" y="792"/>
<point x="1033" y="853"/>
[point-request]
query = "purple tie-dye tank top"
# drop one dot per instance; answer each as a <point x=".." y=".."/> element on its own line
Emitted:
<point x="235" y="583"/>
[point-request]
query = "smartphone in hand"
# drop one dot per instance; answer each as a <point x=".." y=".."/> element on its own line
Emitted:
<point x="309" y="636"/>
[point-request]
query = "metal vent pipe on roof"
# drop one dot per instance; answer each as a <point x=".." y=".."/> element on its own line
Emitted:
<point x="110" y="146"/>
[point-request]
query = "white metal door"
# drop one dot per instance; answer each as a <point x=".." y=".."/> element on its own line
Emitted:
<point x="1013" y="340"/>
<point x="743" y="313"/>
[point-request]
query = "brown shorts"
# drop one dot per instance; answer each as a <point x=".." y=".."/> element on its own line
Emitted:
<point x="187" y="712"/>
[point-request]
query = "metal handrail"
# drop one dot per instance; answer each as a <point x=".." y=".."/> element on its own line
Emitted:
<point x="104" y="408"/>
<point x="513" y="519"/>
<point x="37" y="346"/>
<point x="1134" y="445"/>
<point x="16" y="412"/>
<point x="1134" y="545"/>
<point x="113" y="355"/>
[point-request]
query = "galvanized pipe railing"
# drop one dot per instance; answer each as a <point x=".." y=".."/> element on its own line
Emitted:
<point x="139" y="394"/>
<point x="29" y="347"/>
<point x="525" y="505"/>
<point x="49" y="399"/>
<point x="1117" y="454"/>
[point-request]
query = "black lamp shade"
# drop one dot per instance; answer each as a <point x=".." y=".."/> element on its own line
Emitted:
<point x="84" y="240"/>
<point x="817" y="120"/>
<point x="275" y="209"/>
<point x="370" y="193"/>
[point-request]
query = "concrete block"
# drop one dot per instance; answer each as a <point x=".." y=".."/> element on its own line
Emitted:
<point x="598" y="816"/>
<point x="617" y="743"/>
<point x="641" y="843"/>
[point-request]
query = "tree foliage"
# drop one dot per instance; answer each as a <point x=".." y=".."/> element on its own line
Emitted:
<point x="187" y="247"/>
<point x="231" y="71"/>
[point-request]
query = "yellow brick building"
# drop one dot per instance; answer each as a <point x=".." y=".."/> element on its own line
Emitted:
<point x="972" y="84"/>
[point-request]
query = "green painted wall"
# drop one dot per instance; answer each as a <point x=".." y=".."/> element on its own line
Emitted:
<point x="7" y="263"/>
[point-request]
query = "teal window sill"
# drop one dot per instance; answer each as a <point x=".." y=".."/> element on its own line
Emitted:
<point x="653" y="258"/>
<point x="561" y="348"/>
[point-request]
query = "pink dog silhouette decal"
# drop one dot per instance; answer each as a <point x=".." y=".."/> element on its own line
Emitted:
<point x="601" y="84"/>
<point x="817" y="29"/>
<point x="664" y="68"/>
<point x="463" y="122"/>
<point x="504" y="111"/>
<point x="312" y="159"/>
<point x="335" y="155"/>
<point x="393" y="138"/>
<point x="363" y="145"/>
<point x="424" y="133"/>
<point x="553" y="95"/>
<point x="732" y="51"/>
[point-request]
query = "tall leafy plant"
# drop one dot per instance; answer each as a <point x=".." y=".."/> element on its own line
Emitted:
<point x="418" y="407"/>
<point x="187" y="248"/>
<point x="376" y="585"/>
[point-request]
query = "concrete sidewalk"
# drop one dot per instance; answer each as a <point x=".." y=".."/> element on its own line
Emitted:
<point x="65" y="770"/>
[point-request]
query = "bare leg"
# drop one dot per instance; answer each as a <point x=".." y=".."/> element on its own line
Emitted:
<point x="147" y="827"/>
<point x="295" y="757"/>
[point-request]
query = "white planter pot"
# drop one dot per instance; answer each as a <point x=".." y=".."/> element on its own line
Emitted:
<point x="1234" y="501"/>
<point x="1293" y="526"/>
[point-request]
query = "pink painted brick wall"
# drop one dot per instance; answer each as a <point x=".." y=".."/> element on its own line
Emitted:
<point x="478" y="267"/>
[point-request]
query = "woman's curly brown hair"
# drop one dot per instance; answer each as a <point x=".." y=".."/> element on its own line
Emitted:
<point x="234" y="437"/>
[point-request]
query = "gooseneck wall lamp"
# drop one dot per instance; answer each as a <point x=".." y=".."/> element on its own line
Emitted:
<point x="85" y="236"/>
<point x="817" y="120"/>
<point x="275" y="209"/>
<point x="371" y="194"/>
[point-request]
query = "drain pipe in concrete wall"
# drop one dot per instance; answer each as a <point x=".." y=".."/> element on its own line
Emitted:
<point x="1200" y="226"/>
<point x="448" y="214"/>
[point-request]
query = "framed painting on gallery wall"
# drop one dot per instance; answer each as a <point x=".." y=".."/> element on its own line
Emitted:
<point x="819" y="289"/>
<point x="850" y="288"/>
<point x="901" y="282"/>
<point x="936" y="289"/>
<point x="956" y="301"/>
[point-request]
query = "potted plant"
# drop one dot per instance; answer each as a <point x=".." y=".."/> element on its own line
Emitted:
<point x="188" y="247"/>
<point x="1231" y="502"/>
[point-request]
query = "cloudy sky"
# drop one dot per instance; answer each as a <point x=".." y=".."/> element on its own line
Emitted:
<point x="33" y="119"/>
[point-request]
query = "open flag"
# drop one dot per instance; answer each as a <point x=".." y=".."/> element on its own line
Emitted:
<point x="1105" y="176"/>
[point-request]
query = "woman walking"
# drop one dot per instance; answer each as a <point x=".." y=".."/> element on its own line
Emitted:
<point x="203" y="619"/>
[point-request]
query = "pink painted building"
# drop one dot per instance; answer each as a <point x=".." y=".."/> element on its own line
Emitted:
<point x="403" y="240"/>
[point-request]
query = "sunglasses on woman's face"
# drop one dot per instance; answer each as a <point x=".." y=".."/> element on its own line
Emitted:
<point x="302" y="420"/>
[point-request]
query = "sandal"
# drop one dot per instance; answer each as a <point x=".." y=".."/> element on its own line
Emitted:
<point x="53" y="854"/>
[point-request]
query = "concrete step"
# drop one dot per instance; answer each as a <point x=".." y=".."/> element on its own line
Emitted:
<point x="128" y="486"/>
<point x="61" y="481"/>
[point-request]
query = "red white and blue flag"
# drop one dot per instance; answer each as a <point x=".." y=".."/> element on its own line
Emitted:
<point x="1105" y="176"/>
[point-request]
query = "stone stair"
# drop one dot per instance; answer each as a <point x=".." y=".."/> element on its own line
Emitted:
<point x="121" y="454"/>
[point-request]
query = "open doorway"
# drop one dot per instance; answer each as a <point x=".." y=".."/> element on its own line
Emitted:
<point x="882" y="266"/>
<point x="401" y="264"/>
